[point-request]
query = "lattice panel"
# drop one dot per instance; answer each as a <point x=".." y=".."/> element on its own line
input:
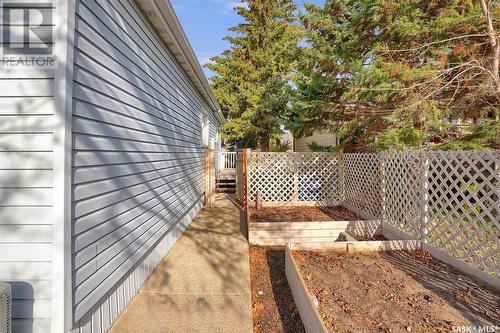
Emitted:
<point x="295" y="177"/>
<point x="404" y="191"/>
<point x="319" y="177"/>
<point x="273" y="175"/>
<point x="463" y="214"/>
<point x="449" y="199"/>
<point x="363" y="182"/>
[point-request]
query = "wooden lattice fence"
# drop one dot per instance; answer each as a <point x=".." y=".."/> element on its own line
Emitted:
<point x="296" y="178"/>
<point x="362" y="185"/>
<point x="450" y="200"/>
<point x="403" y="190"/>
<point x="463" y="206"/>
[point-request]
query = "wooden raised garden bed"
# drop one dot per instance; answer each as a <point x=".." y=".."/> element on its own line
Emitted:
<point x="385" y="291"/>
<point x="300" y="224"/>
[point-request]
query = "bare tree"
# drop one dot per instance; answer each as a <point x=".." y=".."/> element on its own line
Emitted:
<point x="494" y="43"/>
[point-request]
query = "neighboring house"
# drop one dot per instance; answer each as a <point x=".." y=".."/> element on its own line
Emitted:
<point x="321" y="138"/>
<point x="101" y="160"/>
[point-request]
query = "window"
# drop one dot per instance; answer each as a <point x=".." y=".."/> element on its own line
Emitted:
<point x="205" y="129"/>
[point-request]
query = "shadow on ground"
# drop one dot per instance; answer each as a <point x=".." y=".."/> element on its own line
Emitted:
<point x="202" y="285"/>
<point x="477" y="302"/>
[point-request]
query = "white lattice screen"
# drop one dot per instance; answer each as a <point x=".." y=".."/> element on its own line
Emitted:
<point x="362" y="182"/>
<point x="463" y="206"/>
<point x="449" y="199"/>
<point x="404" y="190"/>
<point x="296" y="177"/>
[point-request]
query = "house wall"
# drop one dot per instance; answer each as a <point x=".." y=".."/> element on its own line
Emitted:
<point x="323" y="139"/>
<point x="26" y="193"/>
<point x="138" y="164"/>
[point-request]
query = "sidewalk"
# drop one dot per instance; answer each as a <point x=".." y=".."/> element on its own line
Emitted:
<point x="202" y="285"/>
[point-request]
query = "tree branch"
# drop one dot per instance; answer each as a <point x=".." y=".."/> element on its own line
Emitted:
<point x="495" y="46"/>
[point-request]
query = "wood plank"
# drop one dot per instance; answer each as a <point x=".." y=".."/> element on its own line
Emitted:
<point x="283" y="241"/>
<point x="307" y="304"/>
<point x="309" y="233"/>
<point x="317" y="225"/>
<point x="298" y="225"/>
<point x="210" y="178"/>
<point x="362" y="246"/>
<point x="317" y="246"/>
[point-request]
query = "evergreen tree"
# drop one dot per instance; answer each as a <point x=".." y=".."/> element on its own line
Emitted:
<point x="393" y="74"/>
<point x="253" y="76"/>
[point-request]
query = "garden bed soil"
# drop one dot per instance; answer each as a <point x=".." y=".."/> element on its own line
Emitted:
<point x="273" y="308"/>
<point x="395" y="292"/>
<point x="372" y="238"/>
<point x="302" y="214"/>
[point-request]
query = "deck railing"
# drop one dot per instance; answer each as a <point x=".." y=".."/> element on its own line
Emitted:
<point x="228" y="160"/>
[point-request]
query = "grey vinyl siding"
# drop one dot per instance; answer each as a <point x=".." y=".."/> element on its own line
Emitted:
<point x="137" y="156"/>
<point x="26" y="191"/>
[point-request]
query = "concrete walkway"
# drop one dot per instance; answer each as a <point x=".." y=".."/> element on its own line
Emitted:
<point x="202" y="285"/>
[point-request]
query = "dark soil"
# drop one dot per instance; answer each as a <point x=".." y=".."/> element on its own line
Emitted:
<point x="395" y="292"/>
<point x="302" y="214"/>
<point x="372" y="238"/>
<point x="273" y="308"/>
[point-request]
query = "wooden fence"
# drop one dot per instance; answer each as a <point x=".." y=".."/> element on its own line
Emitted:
<point x="295" y="178"/>
<point x="241" y="176"/>
<point x="449" y="200"/>
<point x="228" y="160"/>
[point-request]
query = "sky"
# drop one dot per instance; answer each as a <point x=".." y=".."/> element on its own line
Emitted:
<point x="205" y="23"/>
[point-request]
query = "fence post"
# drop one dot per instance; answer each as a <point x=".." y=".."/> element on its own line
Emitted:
<point x="424" y="219"/>
<point x="383" y="189"/>
<point x="210" y="178"/>
<point x="248" y="162"/>
<point x="342" y="176"/>
<point x="295" y="165"/>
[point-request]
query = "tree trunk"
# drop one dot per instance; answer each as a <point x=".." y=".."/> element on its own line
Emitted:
<point x="264" y="142"/>
<point x="495" y="47"/>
